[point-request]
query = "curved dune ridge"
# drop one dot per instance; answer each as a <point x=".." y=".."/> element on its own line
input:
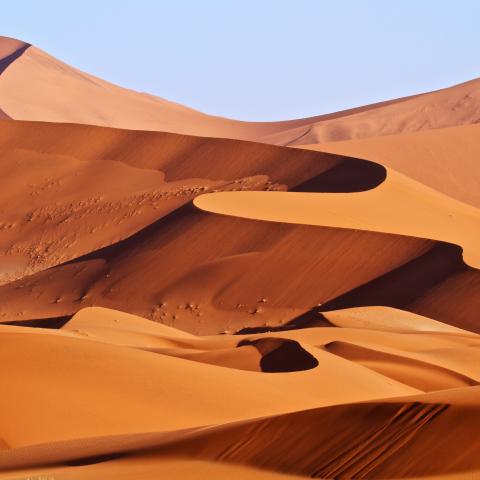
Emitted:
<point x="398" y="206"/>
<point x="430" y="157"/>
<point x="85" y="242"/>
<point x="184" y="296"/>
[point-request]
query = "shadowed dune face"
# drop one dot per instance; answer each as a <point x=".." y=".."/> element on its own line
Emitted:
<point x="10" y="50"/>
<point x="280" y="355"/>
<point x="397" y="205"/>
<point x="219" y="279"/>
<point x="348" y="176"/>
<point x="445" y="159"/>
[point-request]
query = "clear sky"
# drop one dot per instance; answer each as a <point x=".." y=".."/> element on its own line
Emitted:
<point x="259" y="59"/>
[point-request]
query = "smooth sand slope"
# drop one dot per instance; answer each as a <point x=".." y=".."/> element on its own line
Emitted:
<point x="445" y="159"/>
<point x="399" y="205"/>
<point x="457" y="105"/>
<point x="104" y="363"/>
<point x="37" y="86"/>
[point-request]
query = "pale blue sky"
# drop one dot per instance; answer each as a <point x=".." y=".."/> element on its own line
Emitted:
<point x="260" y="59"/>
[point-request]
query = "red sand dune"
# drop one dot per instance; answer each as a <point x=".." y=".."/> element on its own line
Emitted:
<point x="179" y="306"/>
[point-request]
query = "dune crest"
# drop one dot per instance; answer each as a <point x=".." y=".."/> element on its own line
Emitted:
<point x="399" y="205"/>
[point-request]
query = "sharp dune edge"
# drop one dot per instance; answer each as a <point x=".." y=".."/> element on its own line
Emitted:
<point x="187" y="296"/>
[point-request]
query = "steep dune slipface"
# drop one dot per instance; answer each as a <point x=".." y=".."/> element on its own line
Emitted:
<point x="10" y="50"/>
<point x="70" y="190"/>
<point x="399" y="206"/>
<point x="444" y="159"/>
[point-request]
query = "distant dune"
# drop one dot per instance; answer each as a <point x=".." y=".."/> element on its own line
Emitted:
<point x="39" y="87"/>
<point x="184" y="296"/>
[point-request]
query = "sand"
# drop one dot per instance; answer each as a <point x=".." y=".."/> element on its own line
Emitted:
<point x="104" y="363"/>
<point x="399" y="205"/>
<point x="29" y="90"/>
<point x="444" y="159"/>
<point x="185" y="296"/>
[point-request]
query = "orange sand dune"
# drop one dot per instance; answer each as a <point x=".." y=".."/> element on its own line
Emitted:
<point x="144" y="467"/>
<point x="386" y="319"/>
<point x="29" y="90"/>
<point x="179" y="306"/>
<point x="101" y="381"/>
<point x="10" y="50"/>
<point x="191" y="265"/>
<point x="90" y="366"/>
<point x="37" y="86"/>
<point x="444" y="159"/>
<point x="399" y="205"/>
<point x="457" y="105"/>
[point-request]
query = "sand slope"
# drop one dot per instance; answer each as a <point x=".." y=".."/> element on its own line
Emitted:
<point x="444" y="159"/>
<point x="29" y="90"/>
<point x="128" y="227"/>
<point x="90" y="366"/>
<point x="398" y="206"/>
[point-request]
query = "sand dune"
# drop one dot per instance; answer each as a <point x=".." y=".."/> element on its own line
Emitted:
<point x="398" y="206"/>
<point x="238" y="292"/>
<point x="386" y="319"/>
<point x="10" y="50"/>
<point x="115" y="379"/>
<point x="444" y="159"/>
<point x="122" y="228"/>
<point x="457" y="105"/>
<point x="97" y="365"/>
<point x="29" y="90"/>
<point x="401" y="206"/>
<point x="180" y="306"/>
<point x="37" y="86"/>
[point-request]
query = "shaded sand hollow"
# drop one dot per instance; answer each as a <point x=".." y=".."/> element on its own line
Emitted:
<point x="185" y="296"/>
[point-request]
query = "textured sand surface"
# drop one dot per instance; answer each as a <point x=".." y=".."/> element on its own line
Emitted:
<point x="178" y="305"/>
